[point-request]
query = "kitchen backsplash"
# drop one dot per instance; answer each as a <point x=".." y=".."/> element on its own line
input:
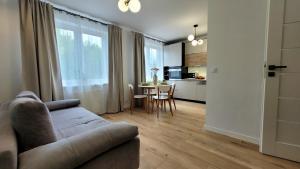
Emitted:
<point x="199" y="70"/>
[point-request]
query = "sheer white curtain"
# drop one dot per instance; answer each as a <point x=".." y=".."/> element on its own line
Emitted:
<point x="153" y="58"/>
<point x="83" y="55"/>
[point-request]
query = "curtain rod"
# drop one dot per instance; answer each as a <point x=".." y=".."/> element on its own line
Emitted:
<point x="68" y="11"/>
<point x="94" y="20"/>
<point x="74" y="14"/>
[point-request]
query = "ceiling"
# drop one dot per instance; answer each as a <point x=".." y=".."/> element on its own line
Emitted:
<point x="166" y="20"/>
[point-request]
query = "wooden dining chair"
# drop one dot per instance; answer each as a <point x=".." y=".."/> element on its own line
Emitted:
<point x="160" y="100"/>
<point x="133" y="97"/>
<point x="172" y="94"/>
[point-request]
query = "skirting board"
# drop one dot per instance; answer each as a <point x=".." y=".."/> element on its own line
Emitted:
<point x="232" y="134"/>
<point x="195" y="101"/>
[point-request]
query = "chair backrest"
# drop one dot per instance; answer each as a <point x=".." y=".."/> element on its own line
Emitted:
<point x="173" y="89"/>
<point x="131" y="90"/>
<point x="164" y="89"/>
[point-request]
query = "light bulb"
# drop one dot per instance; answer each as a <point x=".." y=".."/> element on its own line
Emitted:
<point x="122" y="6"/>
<point x="194" y="42"/>
<point x="191" y="37"/>
<point x="134" y="6"/>
<point x="200" y="42"/>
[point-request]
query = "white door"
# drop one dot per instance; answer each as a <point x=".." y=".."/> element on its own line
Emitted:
<point x="281" y="121"/>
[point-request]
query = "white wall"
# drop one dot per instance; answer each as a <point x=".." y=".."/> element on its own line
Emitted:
<point x="10" y="50"/>
<point x="128" y="63"/>
<point x="236" y="35"/>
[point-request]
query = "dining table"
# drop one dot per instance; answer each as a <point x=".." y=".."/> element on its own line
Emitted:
<point x="148" y="89"/>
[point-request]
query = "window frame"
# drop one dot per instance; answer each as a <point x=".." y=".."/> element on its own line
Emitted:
<point x="78" y="43"/>
<point x="160" y="51"/>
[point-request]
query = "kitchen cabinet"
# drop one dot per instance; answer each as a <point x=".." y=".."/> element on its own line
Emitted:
<point x="196" y="59"/>
<point x="196" y="55"/>
<point x="174" y="54"/>
<point x="185" y="90"/>
<point x="193" y="90"/>
<point x="200" y="91"/>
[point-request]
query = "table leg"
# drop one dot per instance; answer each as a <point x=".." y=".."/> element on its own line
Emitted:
<point x="148" y="100"/>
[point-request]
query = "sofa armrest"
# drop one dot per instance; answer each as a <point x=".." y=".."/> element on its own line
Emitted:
<point x="74" y="151"/>
<point x="62" y="104"/>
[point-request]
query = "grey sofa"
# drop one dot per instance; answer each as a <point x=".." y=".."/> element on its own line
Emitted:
<point x="84" y="140"/>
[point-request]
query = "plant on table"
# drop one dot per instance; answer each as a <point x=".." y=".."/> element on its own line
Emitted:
<point x="154" y="75"/>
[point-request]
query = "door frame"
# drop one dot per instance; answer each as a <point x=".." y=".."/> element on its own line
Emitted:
<point x="274" y="42"/>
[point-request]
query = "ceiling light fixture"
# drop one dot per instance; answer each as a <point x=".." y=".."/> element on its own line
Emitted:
<point x="132" y="5"/>
<point x="192" y="38"/>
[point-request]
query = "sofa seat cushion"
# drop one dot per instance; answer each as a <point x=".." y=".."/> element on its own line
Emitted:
<point x="74" y="121"/>
<point x="78" y="150"/>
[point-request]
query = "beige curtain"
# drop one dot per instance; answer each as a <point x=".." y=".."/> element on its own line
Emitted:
<point x="139" y="62"/>
<point x="41" y="70"/>
<point x="115" y="102"/>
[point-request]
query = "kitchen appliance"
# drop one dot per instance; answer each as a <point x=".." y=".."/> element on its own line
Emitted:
<point x="191" y="75"/>
<point x="177" y="72"/>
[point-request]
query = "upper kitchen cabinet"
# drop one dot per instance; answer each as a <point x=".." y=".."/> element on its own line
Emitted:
<point x="196" y="55"/>
<point x="174" y="54"/>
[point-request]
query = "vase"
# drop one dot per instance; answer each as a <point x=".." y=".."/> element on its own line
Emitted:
<point x="155" y="78"/>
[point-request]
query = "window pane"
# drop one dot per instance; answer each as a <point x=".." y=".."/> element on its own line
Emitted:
<point x="153" y="59"/>
<point x="93" y="58"/>
<point x="83" y="51"/>
<point x="67" y="56"/>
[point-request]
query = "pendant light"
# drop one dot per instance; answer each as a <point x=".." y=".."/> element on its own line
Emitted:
<point x="132" y="5"/>
<point x="192" y="38"/>
<point x="200" y="42"/>
<point x="194" y="42"/>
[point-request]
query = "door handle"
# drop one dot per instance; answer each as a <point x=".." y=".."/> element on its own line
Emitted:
<point x="274" y="67"/>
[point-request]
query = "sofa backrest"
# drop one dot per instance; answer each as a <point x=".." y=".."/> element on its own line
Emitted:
<point x="32" y="123"/>
<point x="28" y="94"/>
<point x="8" y="140"/>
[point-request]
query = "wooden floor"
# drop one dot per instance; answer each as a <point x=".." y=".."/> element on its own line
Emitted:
<point x="180" y="142"/>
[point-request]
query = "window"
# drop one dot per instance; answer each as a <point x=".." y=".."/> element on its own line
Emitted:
<point x="83" y="52"/>
<point x="153" y="58"/>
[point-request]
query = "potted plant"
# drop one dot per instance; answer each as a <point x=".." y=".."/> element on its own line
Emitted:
<point x="154" y="75"/>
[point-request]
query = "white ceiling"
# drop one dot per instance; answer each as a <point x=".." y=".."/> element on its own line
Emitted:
<point x="166" y="20"/>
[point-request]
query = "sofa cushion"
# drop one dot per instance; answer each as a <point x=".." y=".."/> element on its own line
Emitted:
<point x="62" y="104"/>
<point x="8" y="140"/>
<point x="32" y="123"/>
<point x="73" y="121"/>
<point x="78" y="150"/>
<point x="28" y="94"/>
<point x="124" y="156"/>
